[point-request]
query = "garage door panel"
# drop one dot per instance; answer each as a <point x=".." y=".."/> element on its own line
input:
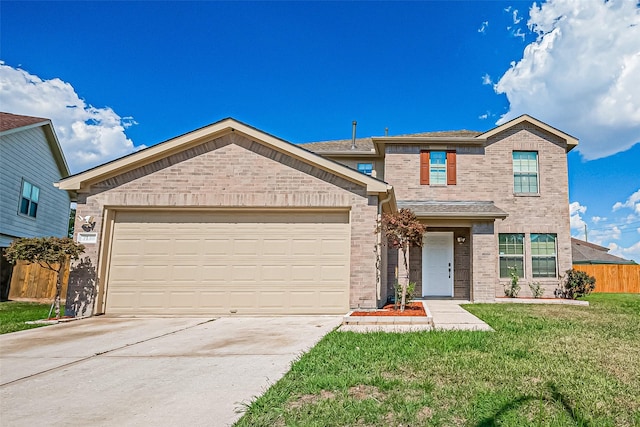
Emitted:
<point x="242" y="299"/>
<point x="215" y="247"/>
<point x="275" y="247"/>
<point x="215" y="301"/>
<point x="155" y="273"/>
<point x="274" y="273"/>
<point x="272" y="299"/>
<point x="213" y="263"/>
<point x="151" y="299"/>
<point x="332" y="273"/>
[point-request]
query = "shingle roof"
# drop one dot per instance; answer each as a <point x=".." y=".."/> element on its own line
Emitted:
<point x="590" y="253"/>
<point x="13" y="121"/>
<point x="453" y="209"/>
<point x="366" y="144"/>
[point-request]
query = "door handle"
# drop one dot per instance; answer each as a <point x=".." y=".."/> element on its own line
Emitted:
<point x="449" y="270"/>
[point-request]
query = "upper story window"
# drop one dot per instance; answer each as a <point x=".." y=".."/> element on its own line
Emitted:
<point x="438" y="168"/>
<point x="29" y="199"/>
<point x="525" y="172"/>
<point x="365" y="168"/>
<point x="511" y="248"/>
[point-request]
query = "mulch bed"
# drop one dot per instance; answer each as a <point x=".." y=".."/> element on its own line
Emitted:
<point x="411" y="309"/>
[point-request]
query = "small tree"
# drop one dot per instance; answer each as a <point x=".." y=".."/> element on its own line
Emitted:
<point x="48" y="252"/>
<point x="402" y="230"/>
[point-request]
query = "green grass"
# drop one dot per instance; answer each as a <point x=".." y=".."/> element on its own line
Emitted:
<point x="13" y="314"/>
<point x="545" y="365"/>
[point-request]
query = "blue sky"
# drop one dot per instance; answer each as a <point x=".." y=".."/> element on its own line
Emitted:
<point x="114" y="76"/>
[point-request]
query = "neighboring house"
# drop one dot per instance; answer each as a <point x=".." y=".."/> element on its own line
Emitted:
<point x="30" y="162"/>
<point x="584" y="253"/>
<point x="228" y="219"/>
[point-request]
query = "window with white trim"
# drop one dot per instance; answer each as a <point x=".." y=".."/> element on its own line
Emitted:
<point x="29" y="199"/>
<point x="543" y="255"/>
<point x="525" y="172"/>
<point x="511" y="249"/>
<point x="438" y="168"/>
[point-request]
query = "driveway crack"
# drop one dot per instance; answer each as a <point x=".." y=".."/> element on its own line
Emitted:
<point x="105" y="352"/>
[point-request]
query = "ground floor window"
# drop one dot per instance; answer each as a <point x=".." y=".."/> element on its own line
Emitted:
<point x="511" y="248"/>
<point x="543" y="255"/>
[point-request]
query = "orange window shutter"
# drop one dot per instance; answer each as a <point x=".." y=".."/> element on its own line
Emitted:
<point x="451" y="168"/>
<point x="424" y="168"/>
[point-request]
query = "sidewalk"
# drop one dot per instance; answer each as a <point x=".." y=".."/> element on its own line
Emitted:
<point x="442" y="315"/>
<point x="448" y="315"/>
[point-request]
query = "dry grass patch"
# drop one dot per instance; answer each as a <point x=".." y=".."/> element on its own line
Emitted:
<point x="310" y="399"/>
<point x="360" y="392"/>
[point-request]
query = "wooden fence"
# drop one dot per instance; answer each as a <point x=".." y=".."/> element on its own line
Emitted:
<point x="623" y="278"/>
<point x="35" y="283"/>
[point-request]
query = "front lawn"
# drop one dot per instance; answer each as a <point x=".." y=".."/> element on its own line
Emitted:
<point x="546" y="365"/>
<point x="13" y="314"/>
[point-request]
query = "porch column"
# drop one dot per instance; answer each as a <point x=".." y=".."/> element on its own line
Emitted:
<point x="484" y="255"/>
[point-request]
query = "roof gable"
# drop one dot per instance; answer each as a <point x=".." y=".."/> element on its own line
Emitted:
<point x="571" y="141"/>
<point x="207" y="133"/>
<point x="11" y="123"/>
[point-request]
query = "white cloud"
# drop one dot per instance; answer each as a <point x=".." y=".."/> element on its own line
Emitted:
<point x="602" y="235"/>
<point x="596" y="219"/>
<point x="576" y="221"/>
<point x="486" y="79"/>
<point x="483" y="116"/>
<point x="88" y="135"/>
<point x="632" y="252"/>
<point x="516" y="18"/>
<point x="633" y="203"/>
<point x="483" y="27"/>
<point x="582" y="74"/>
<point x="518" y="33"/>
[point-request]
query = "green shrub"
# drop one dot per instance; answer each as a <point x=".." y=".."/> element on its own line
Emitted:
<point x="411" y="287"/>
<point x="575" y="284"/>
<point x="511" y="290"/>
<point x="536" y="289"/>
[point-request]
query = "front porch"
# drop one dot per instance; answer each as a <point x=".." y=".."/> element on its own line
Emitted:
<point x="459" y="256"/>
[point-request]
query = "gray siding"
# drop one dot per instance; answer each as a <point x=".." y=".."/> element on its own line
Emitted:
<point x="26" y="155"/>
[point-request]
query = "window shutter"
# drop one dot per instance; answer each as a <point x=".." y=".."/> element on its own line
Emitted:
<point x="424" y="168"/>
<point x="451" y="168"/>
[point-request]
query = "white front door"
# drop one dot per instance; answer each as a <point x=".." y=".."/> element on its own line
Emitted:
<point x="437" y="264"/>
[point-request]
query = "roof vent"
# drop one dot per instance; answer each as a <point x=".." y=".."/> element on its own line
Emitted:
<point x="353" y="135"/>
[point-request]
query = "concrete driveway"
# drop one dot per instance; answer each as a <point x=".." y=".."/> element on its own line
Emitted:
<point x="143" y="371"/>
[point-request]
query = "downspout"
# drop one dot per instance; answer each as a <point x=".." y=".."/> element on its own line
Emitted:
<point x="379" y="248"/>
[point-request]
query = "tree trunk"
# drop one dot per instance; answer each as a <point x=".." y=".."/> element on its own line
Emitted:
<point x="405" y="282"/>
<point x="56" y="301"/>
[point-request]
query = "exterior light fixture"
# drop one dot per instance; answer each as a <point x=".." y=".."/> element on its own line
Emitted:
<point x="461" y="239"/>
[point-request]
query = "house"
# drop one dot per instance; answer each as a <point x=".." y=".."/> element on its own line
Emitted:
<point x="491" y="201"/>
<point x="590" y="253"/>
<point x="31" y="160"/>
<point x="228" y="219"/>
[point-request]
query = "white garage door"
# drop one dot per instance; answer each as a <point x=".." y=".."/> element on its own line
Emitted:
<point x="245" y="262"/>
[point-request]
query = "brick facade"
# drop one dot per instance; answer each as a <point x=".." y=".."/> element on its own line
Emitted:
<point x="235" y="172"/>
<point x="485" y="173"/>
